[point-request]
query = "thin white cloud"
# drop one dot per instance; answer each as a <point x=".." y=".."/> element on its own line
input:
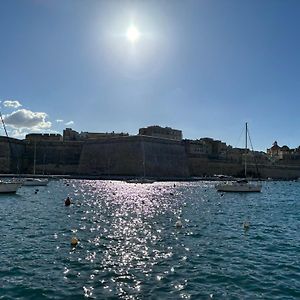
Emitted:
<point x="12" y="103"/>
<point x="24" y="118"/>
<point x="59" y="120"/>
<point x="69" y="123"/>
<point x="18" y="133"/>
<point x="21" y="133"/>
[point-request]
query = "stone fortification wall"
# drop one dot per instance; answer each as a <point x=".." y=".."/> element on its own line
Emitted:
<point x="124" y="156"/>
<point x="4" y="156"/>
<point x="130" y="156"/>
<point x="165" y="158"/>
<point x="11" y="155"/>
<point x="206" y="167"/>
<point x="280" y="172"/>
<point x="52" y="157"/>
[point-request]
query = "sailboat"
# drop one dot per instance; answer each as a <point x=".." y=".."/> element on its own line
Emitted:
<point x="142" y="179"/>
<point x="35" y="181"/>
<point x="241" y="186"/>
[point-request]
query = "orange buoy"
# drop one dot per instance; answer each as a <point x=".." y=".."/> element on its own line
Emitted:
<point x="74" y="241"/>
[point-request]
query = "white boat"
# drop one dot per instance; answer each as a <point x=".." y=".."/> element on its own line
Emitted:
<point x="35" y="182"/>
<point x="9" y="187"/>
<point x="240" y="186"/>
<point x="140" y="180"/>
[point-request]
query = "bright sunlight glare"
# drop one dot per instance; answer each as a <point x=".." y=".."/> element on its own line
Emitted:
<point x="132" y="34"/>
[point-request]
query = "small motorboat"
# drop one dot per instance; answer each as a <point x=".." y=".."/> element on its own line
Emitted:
<point x="140" y="180"/>
<point x="240" y="186"/>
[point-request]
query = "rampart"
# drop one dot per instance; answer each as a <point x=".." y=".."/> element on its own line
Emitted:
<point x="209" y="167"/>
<point x="125" y="156"/>
<point x="53" y="157"/>
<point x="134" y="156"/>
<point x="11" y="155"/>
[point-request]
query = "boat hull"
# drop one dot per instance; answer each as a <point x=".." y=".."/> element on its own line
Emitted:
<point x="35" y="182"/>
<point x="9" y="187"/>
<point x="140" y="180"/>
<point x="235" y="188"/>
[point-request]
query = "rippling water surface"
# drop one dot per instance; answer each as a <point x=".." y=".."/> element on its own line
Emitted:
<point x="130" y="247"/>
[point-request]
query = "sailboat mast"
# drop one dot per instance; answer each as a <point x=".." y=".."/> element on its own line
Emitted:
<point x="144" y="163"/>
<point x="246" y="148"/>
<point x="8" y="139"/>
<point x="34" y="158"/>
<point x="3" y="125"/>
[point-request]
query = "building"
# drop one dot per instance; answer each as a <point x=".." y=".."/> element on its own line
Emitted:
<point x="37" y="137"/>
<point x="283" y="153"/>
<point x="71" y="135"/>
<point x="197" y="148"/>
<point x="160" y="132"/>
<point x="206" y="147"/>
<point x="100" y="135"/>
<point x="217" y="148"/>
<point x="276" y="152"/>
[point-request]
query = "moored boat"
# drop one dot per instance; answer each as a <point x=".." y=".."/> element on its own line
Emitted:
<point x="241" y="186"/>
<point x="140" y="180"/>
<point x="9" y="187"/>
<point x="35" y="181"/>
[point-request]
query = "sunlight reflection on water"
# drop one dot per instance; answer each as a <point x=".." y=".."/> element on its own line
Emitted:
<point x="124" y="231"/>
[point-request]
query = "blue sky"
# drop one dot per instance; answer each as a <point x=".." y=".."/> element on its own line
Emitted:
<point x="205" y="67"/>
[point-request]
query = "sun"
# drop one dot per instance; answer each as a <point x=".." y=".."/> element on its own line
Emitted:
<point x="133" y="34"/>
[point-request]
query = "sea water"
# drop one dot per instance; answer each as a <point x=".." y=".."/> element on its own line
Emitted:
<point x="131" y="245"/>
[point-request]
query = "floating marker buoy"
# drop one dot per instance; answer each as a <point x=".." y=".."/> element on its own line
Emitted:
<point x="246" y="225"/>
<point x="68" y="201"/>
<point x="74" y="241"/>
<point x="178" y="224"/>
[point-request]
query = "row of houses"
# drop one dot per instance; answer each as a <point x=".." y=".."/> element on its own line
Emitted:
<point x="283" y="153"/>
